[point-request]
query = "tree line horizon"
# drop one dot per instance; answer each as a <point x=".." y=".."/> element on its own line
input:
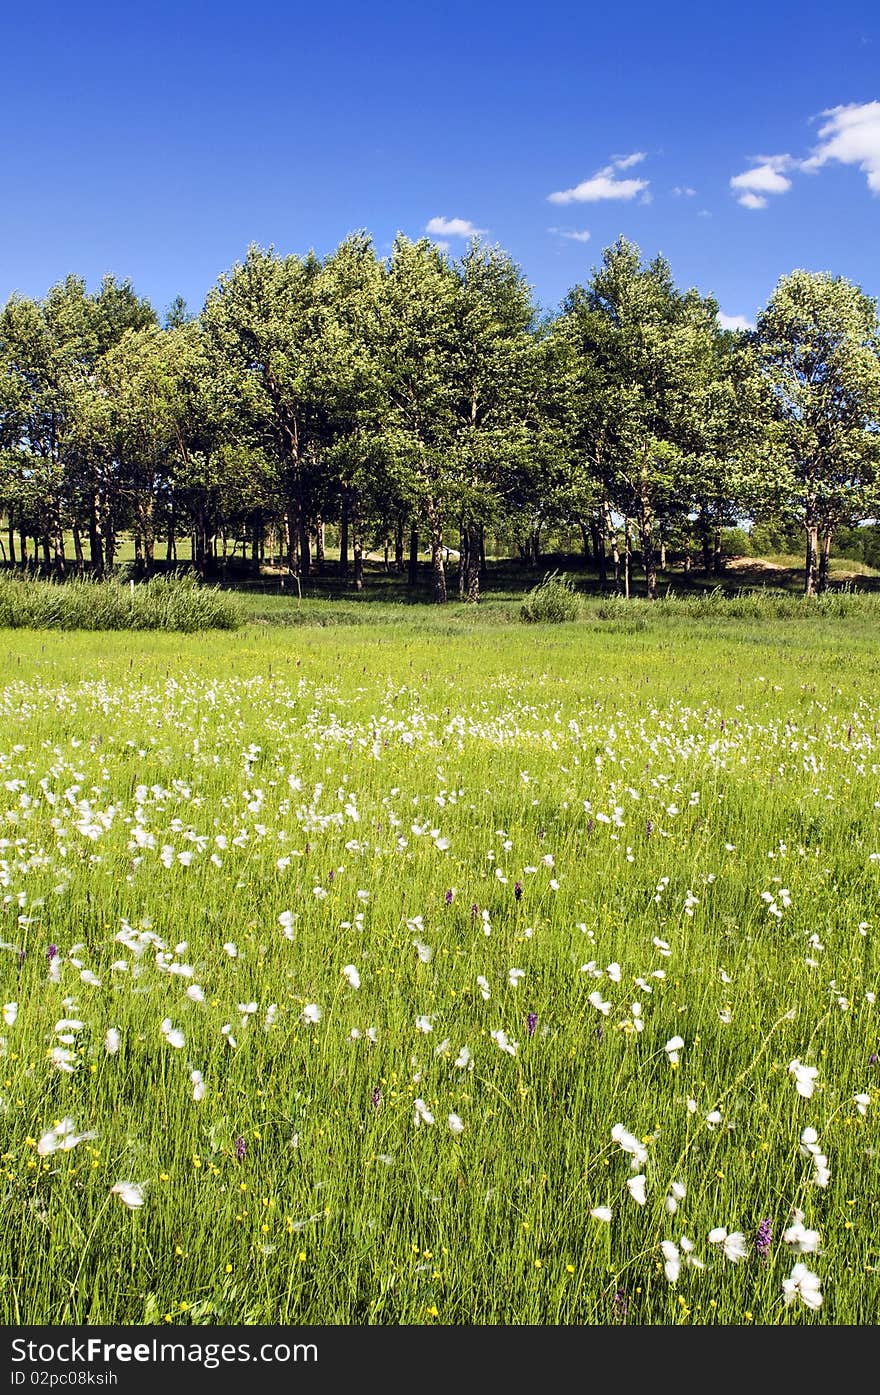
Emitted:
<point x="417" y="397"/>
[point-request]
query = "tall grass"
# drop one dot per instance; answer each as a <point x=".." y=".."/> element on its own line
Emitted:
<point x="163" y="603"/>
<point x="558" y="837"/>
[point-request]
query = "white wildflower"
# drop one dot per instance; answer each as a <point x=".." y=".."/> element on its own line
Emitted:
<point x="636" y="1187"/>
<point x="803" y="1284"/>
<point x="173" y="1035"/>
<point x="672" y="1049"/>
<point x="423" y="1114"/>
<point x="129" y="1193"/>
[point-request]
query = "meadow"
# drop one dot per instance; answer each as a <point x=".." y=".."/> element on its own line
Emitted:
<point x="442" y="970"/>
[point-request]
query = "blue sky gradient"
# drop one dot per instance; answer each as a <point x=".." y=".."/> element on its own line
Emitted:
<point x="159" y="143"/>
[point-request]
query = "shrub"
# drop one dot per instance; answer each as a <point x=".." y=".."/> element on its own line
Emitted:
<point x="163" y="603"/>
<point x="552" y="602"/>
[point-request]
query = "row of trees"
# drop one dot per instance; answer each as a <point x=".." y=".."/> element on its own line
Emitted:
<point x="417" y="399"/>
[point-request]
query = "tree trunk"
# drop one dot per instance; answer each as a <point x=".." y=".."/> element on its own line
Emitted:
<point x="484" y="571"/>
<point x="343" y="535"/>
<point x="599" y="553"/>
<point x="705" y="543"/>
<point x="109" y="535"/>
<point x="198" y="543"/>
<point x="45" y="544"/>
<point x="472" y="539"/>
<point x="291" y="537"/>
<point x="825" y="557"/>
<point x="413" y="577"/>
<point x="811" y="558"/>
<point x="462" y="562"/>
<point x="398" y="545"/>
<point x="627" y="558"/>
<point x="357" y="543"/>
<point x="23" y="548"/>
<point x="438" y="574"/>
<point x="171" y="544"/>
<point x="10" y="533"/>
<point x="96" y="540"/>
<point x="535" y="546"/>
<point x="77" y="549"/>
<point x="319" y="544"/>
<point x="663" y="555"/>
<point x="688" y="562"/>
<point x="305" y="546"/>
<point x="615" y="547"/>
<point x="717" y="567"/>
<point x="649" y="556"/>
<point x="585" y="539"/>
<point x="149" y="542"/>
<point x="59" y="560"/>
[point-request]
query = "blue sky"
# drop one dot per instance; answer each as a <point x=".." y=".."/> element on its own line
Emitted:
<point x="158" y="143"/>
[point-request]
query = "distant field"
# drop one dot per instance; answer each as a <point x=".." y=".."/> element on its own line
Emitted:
<point x="442" y="970"/>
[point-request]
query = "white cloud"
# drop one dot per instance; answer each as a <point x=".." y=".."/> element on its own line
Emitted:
<point x="765" y="177"/>
<point x="441" y="245"/>
<point x="601" y="186"/>
<point x="605" y="184"/>
<point x="626" y="162"/>
<point x="734" y="321"/>
<point x="572" y="234"/>
<point x="851" y="135"/>
<point x="453" y="227"/>
<point x="684" y="191"/>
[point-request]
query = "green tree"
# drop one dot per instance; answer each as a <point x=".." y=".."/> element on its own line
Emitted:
<point x="818" y="342"/>
<point x="495" y="366"/>
<point x="49" y="351"/>
<point x="261" y="320"/>
<point x="648" y="351"/>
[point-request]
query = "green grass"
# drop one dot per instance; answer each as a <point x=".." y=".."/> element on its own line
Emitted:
<point x="673" y="773"/>
<point x="163" y="603"/>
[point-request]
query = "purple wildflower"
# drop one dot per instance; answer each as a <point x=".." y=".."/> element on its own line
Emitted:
<point x="542" y="833"/>
<point x="872" y="1059"/>
<point x="475" y="911"/>
<point x="620" y="1303"/>
<point x="240" y="1148"/>
<point x="376" y="1097"/>
<point x="52" y="951"/>
<point x="22" y="956"/>
<point x="449" y="897"/>
<point x="763" y="1238"/>
<point x="330" y="875"/>
<point x="600" y="1032"/>
<point x="308" y="847"/>
<point x="532" y="1022"/>
<point x="590" y="825"/>
<point x="649" y="827"/>
<point x="517" y="890"/>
